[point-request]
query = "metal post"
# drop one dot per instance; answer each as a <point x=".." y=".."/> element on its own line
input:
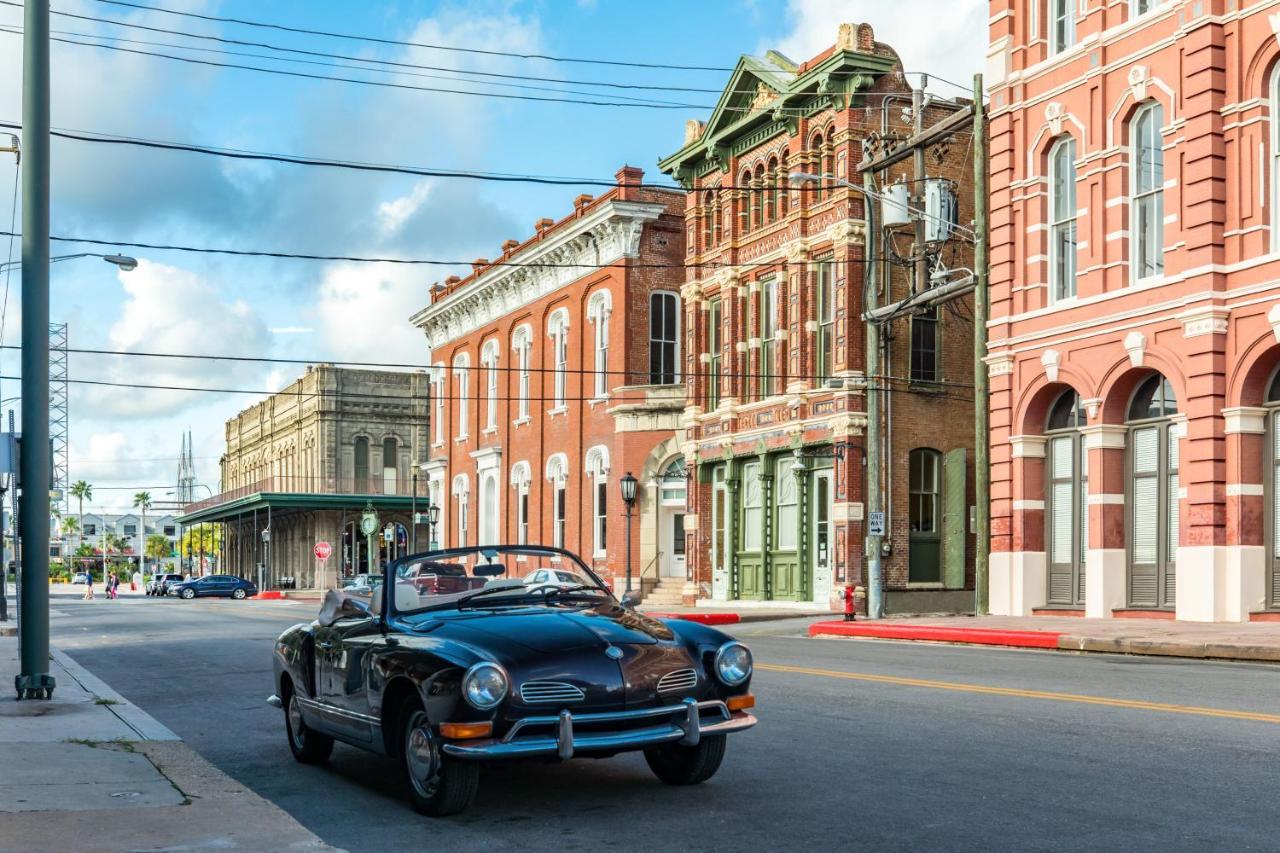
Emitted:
<point x="4" y="567"/>
<point x="981" y="381"/>
<point x="875" y="593"/>
<point x="33" y="679"/>
<point x="917" y="125"/>
<point x="413" y="518"/>
<point x="628" y="547"/>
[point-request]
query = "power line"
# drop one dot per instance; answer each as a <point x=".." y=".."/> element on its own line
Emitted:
<point x="376" y="40"/>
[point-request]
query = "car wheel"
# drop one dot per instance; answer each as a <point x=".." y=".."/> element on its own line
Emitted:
<point x="238" y="593"/>
<point x="686" y="765"/>
<point x="438" y="786"/>
<point x="307" y="745"/>
<point x="188" y="594"/>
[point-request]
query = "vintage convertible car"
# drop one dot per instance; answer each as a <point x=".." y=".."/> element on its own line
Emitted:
<point x="442" y="682"/>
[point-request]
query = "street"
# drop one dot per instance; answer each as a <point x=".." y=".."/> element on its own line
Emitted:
<point x="862" y="745"/>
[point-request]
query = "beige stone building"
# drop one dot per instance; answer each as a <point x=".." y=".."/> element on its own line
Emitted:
<point x="302" y="467"/>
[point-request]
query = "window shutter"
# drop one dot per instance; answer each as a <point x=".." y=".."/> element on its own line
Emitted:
<point x="1146" y="496"/>
<point x="954" y="518"/>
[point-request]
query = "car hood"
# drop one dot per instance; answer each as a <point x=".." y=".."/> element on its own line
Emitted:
<point x="557" y="629"/>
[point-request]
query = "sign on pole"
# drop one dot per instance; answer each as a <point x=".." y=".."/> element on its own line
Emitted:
<point x="875" y="523"/>
<point x="323" y="550"/>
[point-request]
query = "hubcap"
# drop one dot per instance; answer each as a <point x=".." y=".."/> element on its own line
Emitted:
<point x="420" y="756"/>
<point x="295" y="721"/>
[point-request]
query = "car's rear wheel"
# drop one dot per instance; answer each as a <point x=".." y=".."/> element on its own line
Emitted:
<point x="238" y="593"/>
<point x="307" y="745"/>
<point x="686" y="765"/>
<point x="438" y="786"/>
<point x="188" y="594"/>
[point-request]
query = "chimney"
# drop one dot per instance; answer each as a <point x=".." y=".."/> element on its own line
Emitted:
<point x="509" y="246"/>
<point x="629" y="179"/>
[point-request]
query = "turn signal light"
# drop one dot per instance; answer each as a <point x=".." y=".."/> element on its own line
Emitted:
<point x="465" y="731"/>
<point x="740" y="703"/>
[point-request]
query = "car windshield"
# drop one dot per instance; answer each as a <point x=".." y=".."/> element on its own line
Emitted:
<point x="501" y="576"/>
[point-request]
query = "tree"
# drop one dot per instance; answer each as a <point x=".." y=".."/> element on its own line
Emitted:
<point x="142" y="500"/>
<point x="200" y="539"/>
<point x="112" y="542"/>
<point x="70" y="526"/>
<point x="81" y="491"/>
<point x="158" y="547"/>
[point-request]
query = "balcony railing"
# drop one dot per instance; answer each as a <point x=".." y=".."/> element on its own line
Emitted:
<point x="370" y="486"/>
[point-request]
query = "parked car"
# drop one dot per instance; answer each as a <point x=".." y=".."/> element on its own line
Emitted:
<point x="554" y="577"/>
<point x="442" y="682"/>
<point x="158" y="583"/>
<point x="362" y="584"/>
<point x="434" y="577"/>
<point x="81" y="577"/>
<point x="225" y="586"/>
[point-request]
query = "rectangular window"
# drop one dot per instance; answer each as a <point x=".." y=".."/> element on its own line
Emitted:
<point x="768" y="330"/>
<point x="562" y="364"/>
<point x="923" y="483"/>
<point x="713" y="348"/>
<point x="491" y="392"/>
<point x="1147" y="239"/>
<point x="924" y="345"/>
<point x="557" y="532"/>
<point x="826" y="343"/>
<point x="664" y="323"/>
<point x="602" y="355"/>
<point x="1062" y="225"/>
<point x="1140" y="7"/>
<point x="462" y="521"/>
<point x="1062" y="25"/>
<point x="601" y="515"/>
<point x="91" y="530"/>
<point x="462" y="401"/>
<point x="170" y="530"/>
<point x="788" y="497"/>
<point x="752" y="507"/>
<point x="524" y="380"/>
<point x="437" y="389"/>
<point x="131" y="530"/>
<point x="522" y="518"/>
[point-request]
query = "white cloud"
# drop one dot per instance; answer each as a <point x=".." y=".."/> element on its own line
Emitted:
<point x="393" y="214"/>
<point x="363" y="313"/>
<point x="948" y="39"/>
<point x="291" y="330"/>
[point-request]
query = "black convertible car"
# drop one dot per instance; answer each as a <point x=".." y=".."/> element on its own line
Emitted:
<point x="444" y="681"/>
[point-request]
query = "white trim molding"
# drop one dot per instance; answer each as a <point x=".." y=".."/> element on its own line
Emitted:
<point x="1028" y="446"/>
<point x="1249" y="420"/>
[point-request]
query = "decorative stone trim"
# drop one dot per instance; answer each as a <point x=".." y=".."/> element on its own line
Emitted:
<point x="1000" y="364"/>
<point x="1104" y="436"/>
<point x="1245" y="490"/>
<point x="1135" y="343"/>
<point x="1027" y="506"/>
<point x="1204" y="320"/>
<point x="1245" y="419"/>
<point x="1050" y="361"/>
<point x="1106" y="500"/>
<point x="1091" y="406"/>
<point x="1028" y="446"/>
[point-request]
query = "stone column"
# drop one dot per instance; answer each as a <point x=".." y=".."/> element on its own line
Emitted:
<point x="801" y="325"/>
<point x="1246" y="555"/>
<point x="1020" y="585"/>
<point x="1106" y="558"/>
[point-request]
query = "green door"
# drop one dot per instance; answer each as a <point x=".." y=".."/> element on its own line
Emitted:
<point x="925" y="539"/>
<point x="787" y="582"/>
<point x="955" y="518"/>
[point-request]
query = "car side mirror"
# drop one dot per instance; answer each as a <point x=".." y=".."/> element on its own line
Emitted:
<point x="631" y="599"/>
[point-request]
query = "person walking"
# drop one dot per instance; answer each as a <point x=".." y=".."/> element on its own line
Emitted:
<point x="88" y="585"/>
<point x="112" y="582"/>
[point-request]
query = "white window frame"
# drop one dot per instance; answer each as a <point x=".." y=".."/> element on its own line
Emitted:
<point x="557" y="472"/>
<point x="599" y="310"/>
<point x="461" y="375"/>
<point x="1153" y="196"/>
<point x="675" y="344"/>
<point x="489" y="358"/>
<point x="752" y="513"/>
<point x="1064" y="12"/>
<point x="769" y="291"/>
<point x="1062" y="222"/>
<point x="461" y="495"/>
<point x="596" y="466"/>
<point x="520" y="478"/>
<point x="1274" y="95"/>
<point x="438" y="392"/>
<point x="558" y="331"/>
<point x="522" y="344"/>
<point x="1136" y="9"/>
<point x="489" y="531"/>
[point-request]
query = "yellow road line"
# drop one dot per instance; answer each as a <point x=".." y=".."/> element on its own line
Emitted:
<point x="1132" y="704"/>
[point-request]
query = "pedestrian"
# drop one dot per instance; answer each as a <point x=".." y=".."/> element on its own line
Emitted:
<point x="112" y="583"/>
<point x="88" y="585"/>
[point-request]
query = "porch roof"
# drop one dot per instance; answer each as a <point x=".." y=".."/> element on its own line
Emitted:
<point x="294" y="500"/>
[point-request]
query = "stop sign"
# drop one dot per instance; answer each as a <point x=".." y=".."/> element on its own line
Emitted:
<point x="323" y="550"/>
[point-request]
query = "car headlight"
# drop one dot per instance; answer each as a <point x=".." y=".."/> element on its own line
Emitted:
<point x="485" y="685"/>
<point x="733" y="663"/>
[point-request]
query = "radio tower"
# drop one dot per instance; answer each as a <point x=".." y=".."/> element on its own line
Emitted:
<point x="186" y="472"/>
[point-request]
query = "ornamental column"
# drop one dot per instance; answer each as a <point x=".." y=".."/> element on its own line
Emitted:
<point x="801" y="328"/>
<point x="1106" y="558"/>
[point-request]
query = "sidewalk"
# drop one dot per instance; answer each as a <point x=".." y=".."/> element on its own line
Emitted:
<point x="1249" y="641"/>
<point x="90" y="771"/>
<point x="729" y="616"/>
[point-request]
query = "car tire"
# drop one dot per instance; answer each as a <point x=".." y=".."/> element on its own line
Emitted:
<point x="238" y="593"/>
<point x="307" y="745"/>
<point x="188" y="594"/>
<point x="686" y="765"/>
<point x="438" y="786"/>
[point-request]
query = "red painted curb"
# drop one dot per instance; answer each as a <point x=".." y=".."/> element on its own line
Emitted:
<point x="701" y="618"/>
<point x="938" y="634"/>
<point x="270" y="594"/>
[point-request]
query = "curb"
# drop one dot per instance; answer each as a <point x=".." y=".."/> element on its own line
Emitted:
<point x="700" y="618"/>
<point x="968" y="636"/>
<point x="146" y="726"/>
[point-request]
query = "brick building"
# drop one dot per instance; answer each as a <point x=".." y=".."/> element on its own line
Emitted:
<point x="1135" y="310"/>
<point x="556" y="370"/>
<point x="775" y="346"/>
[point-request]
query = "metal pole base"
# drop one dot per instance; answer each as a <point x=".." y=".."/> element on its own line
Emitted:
<point x="39" y="686"/>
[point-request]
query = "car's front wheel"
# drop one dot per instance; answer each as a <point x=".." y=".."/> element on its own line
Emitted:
<point x="686" y="765"/>
<point x="188" y="594"/>
<point x="307" y="745"/>
<point x="238" y="593"/>
<point x="438" y="786"/>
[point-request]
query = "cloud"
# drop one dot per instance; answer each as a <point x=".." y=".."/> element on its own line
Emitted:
<point x="363" y="313"/>
<point x="952" y="45"/>
<point x="291" y="330"/>
<point x="170" y="310"/>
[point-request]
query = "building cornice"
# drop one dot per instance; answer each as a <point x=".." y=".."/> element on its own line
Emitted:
<point x="606" y="235"/>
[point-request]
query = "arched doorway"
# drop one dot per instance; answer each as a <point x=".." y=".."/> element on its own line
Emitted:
<point x="1066" y="493"/>
<point x="1153" y="495"/>
<point x="672" y="486"/>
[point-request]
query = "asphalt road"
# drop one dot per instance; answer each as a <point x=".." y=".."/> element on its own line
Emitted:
<point x="862" y="746"/>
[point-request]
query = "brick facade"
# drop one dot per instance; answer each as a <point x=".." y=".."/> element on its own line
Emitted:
<point x="1142" y="137"/>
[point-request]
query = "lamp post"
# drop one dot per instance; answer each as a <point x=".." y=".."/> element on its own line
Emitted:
<point x="433" y="516"/>
<point x="124" y="262"/>
<point x="628" y="486"/>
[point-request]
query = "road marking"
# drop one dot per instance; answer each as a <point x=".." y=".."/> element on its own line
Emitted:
<point x="1132" y="704"/>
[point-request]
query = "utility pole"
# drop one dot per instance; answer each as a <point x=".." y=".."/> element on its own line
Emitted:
<point x="875" y="507"/>
<point x="33" y="680"/>
<point x="981" y="381"/>
<point x="917" y="158"/>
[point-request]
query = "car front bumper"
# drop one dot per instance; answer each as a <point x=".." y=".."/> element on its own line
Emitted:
<point x="567" y="734"/>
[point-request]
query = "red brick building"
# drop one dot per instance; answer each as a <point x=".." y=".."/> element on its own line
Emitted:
<point x="775" y="347"/>
<point x="556" y="369"/>
<point x="1135" y="308"/>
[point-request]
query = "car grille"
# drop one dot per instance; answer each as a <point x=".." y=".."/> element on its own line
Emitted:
<point x="681" y="679"/>
<point x="537" y="692"/>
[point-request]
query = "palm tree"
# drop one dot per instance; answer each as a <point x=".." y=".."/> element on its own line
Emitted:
<point x="143" y="501"/>
<point x="81" y="491"/>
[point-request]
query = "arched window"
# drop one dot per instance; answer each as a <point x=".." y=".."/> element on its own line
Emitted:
<point x="488" y="514"/>
<point x="664" y="330"/>
<point x="784" y="187"/>
<point x="746" y="201"/>
<point x="813" y="191"/>
<point x="489" y="358"/>
<point x="558" y="331"/>
<point x="390" y="467"/>
<point x="361" y="465"/>
<point x="437" y="403"/>
<point x="462" y="382"/>
<point x="1066" y="501"/>
<point x="707" y="219"/>
<point x="597" y="467"/>
<point x="752" y="507"/>
<point x="1147" y="182"/>
<point x="522" y="345"/>
<point x="713" y="214"/>
<point x="771" y="191"/>
<point x="757" y="197"/>
<point x="788" y="503"/>
<point x="462" y="499"/>
<point x="520" y="477"/>
<point x="1153" y="503"/>
<point x="1062" y="219"/>
<point x="768" y="334"/>
<point x="558" y="475"/>
<point x="599" y="309"/>
<point x="829" y="156"/>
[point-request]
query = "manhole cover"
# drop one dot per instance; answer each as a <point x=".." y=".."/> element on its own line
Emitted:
<point x="125" y="795"/>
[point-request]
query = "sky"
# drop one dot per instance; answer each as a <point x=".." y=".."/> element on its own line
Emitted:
<point x="123" y="439"/>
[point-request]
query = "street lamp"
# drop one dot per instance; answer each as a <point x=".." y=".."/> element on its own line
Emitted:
<point x="628" y="486"/>
<point x="433" y="516"/>
<point x="124" y="262"/>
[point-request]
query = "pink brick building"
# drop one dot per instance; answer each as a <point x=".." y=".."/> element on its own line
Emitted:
<point x="1135" y="308"/>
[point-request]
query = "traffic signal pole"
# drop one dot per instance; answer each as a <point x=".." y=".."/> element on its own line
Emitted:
<point x="33" y="680"/>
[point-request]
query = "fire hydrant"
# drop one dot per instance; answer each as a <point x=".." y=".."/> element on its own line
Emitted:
<point x="850" y="609"/>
